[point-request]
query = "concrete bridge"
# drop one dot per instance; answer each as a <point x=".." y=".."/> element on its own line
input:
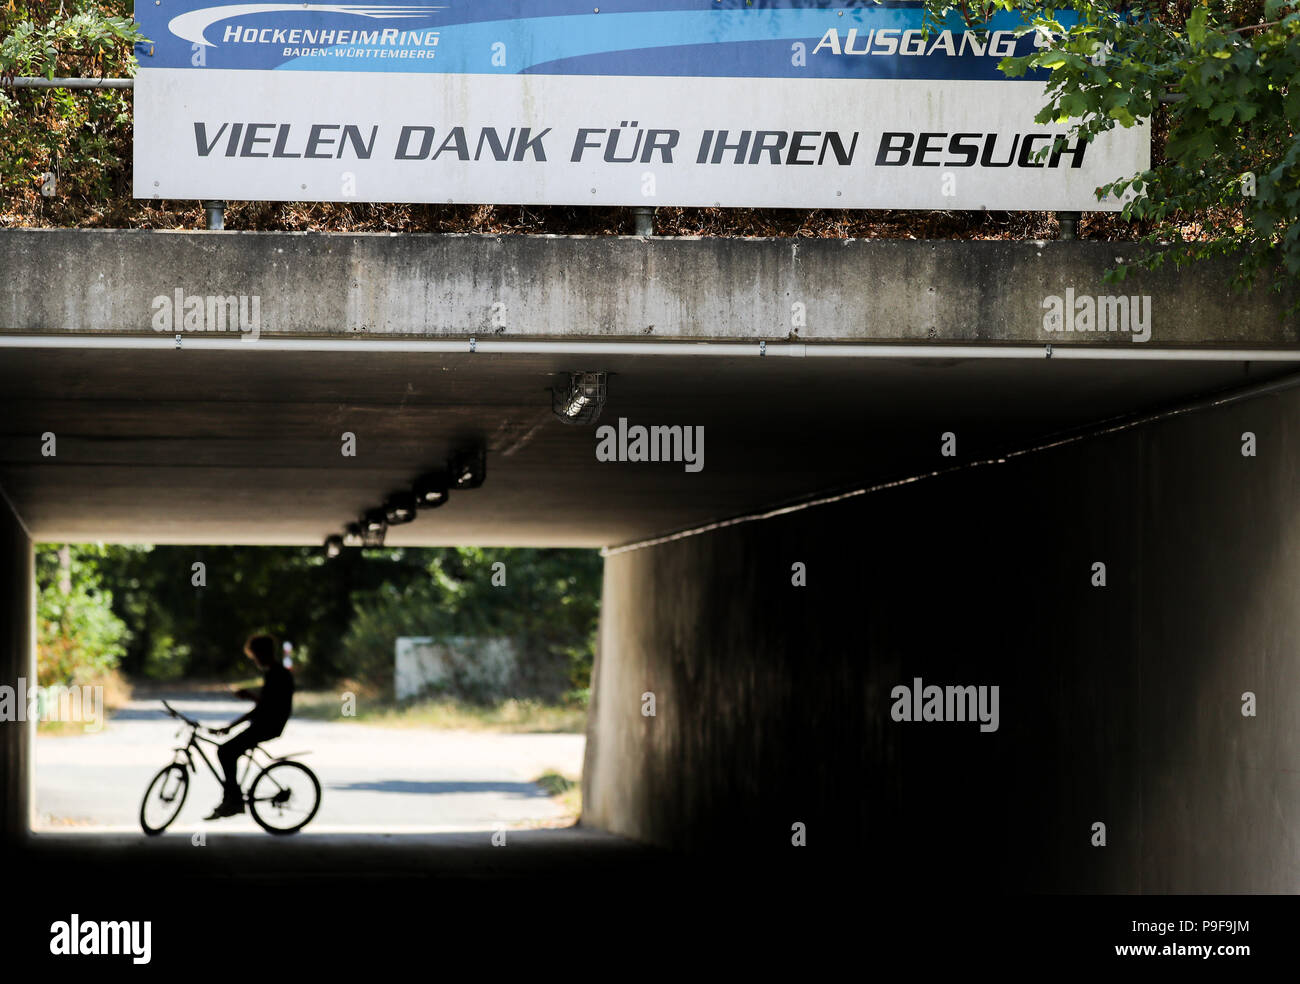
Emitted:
<point x="910" y="474"/>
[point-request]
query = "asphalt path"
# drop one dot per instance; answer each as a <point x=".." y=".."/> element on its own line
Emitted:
<point x="373" y="779"/>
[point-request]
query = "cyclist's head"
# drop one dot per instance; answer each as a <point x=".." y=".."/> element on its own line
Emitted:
<point x="262" y="649"/>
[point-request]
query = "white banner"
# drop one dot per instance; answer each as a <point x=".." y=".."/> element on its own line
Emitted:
<point x="412" y="116"/>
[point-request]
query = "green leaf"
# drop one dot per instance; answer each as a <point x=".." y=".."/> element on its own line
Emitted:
<point x="1073" y="104"/>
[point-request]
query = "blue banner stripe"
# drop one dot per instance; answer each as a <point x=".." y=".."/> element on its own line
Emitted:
<point x="672" y="39"/>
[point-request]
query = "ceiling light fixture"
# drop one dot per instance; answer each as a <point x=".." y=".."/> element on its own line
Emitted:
<point x="374" y="524"/>
<point x="399" y="508"/>
<point x="468" y="468"/>
<point x="431" y="490"/>
<point x="580" y="399"/>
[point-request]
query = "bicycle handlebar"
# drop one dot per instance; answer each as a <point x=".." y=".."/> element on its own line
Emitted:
<point x="177" y="714"/>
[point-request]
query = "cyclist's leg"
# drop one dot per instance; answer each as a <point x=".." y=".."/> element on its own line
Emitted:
<point x="228" y="754"/>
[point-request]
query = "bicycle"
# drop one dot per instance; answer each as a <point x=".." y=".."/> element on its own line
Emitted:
<point x="284" y="791"/>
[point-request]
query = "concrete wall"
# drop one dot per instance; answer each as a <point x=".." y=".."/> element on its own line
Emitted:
<point x="17" y="623"/>
<point x="1119" y="704"/>
<point x="365" y="286"/>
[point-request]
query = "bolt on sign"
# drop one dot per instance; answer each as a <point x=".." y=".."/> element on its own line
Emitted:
<point x="784" y="103"/>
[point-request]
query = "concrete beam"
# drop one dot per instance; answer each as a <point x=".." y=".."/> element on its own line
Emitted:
<point x="367" y="285"/>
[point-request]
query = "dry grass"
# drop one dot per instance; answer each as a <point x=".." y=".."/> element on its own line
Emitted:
<point x="31" y="211"/>
<point x="117" y="692"/>
<point x="508" y="716"/>
<point x="566" y="791"/>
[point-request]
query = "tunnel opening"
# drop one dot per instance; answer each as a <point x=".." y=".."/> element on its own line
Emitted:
<point x="435" y="689"/>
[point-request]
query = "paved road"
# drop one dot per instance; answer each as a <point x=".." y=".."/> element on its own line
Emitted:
<point x="372" y="778"/>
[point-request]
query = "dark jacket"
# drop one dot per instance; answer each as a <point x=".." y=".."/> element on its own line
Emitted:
<point x="274" y="704"/>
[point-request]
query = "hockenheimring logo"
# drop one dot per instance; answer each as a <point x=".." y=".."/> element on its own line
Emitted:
<point x="208" y="312"/>
<point x="190" y="26"/>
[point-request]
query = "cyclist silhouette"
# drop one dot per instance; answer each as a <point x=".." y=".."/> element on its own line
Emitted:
<point x="265" y="721"/>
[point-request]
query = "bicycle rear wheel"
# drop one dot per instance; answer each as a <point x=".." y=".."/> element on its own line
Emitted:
<point x="284" y="797"/>
<point x="164" y="798"/>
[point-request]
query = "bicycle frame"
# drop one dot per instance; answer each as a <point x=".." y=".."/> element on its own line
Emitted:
<point x="192" y="744"/>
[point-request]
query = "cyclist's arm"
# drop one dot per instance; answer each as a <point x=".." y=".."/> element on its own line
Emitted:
<point x="257" y="696"/>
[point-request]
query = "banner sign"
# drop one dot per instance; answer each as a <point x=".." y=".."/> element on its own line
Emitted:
<point x="780" y="103"/>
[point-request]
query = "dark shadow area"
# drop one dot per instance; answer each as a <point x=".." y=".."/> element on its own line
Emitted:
<point x="453" y="901"/>
<point x="235" y="855"/>
<point x="446" y="900"/>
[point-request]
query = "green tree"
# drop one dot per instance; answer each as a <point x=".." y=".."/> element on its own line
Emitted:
<point x="547" y="601"/>
<point x="1219" y="84"/>
<point x="81" y="137"/>
<point x="189" y="620"/>
<point x="78" y="635"/>
<point x="344" y="615"/>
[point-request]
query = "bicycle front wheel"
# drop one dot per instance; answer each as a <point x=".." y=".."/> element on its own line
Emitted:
<point x="284" y="797"/>
<point x="164" y="798"/>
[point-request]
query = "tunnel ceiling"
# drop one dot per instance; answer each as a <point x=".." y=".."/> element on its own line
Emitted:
<point x="245" y="447"/>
